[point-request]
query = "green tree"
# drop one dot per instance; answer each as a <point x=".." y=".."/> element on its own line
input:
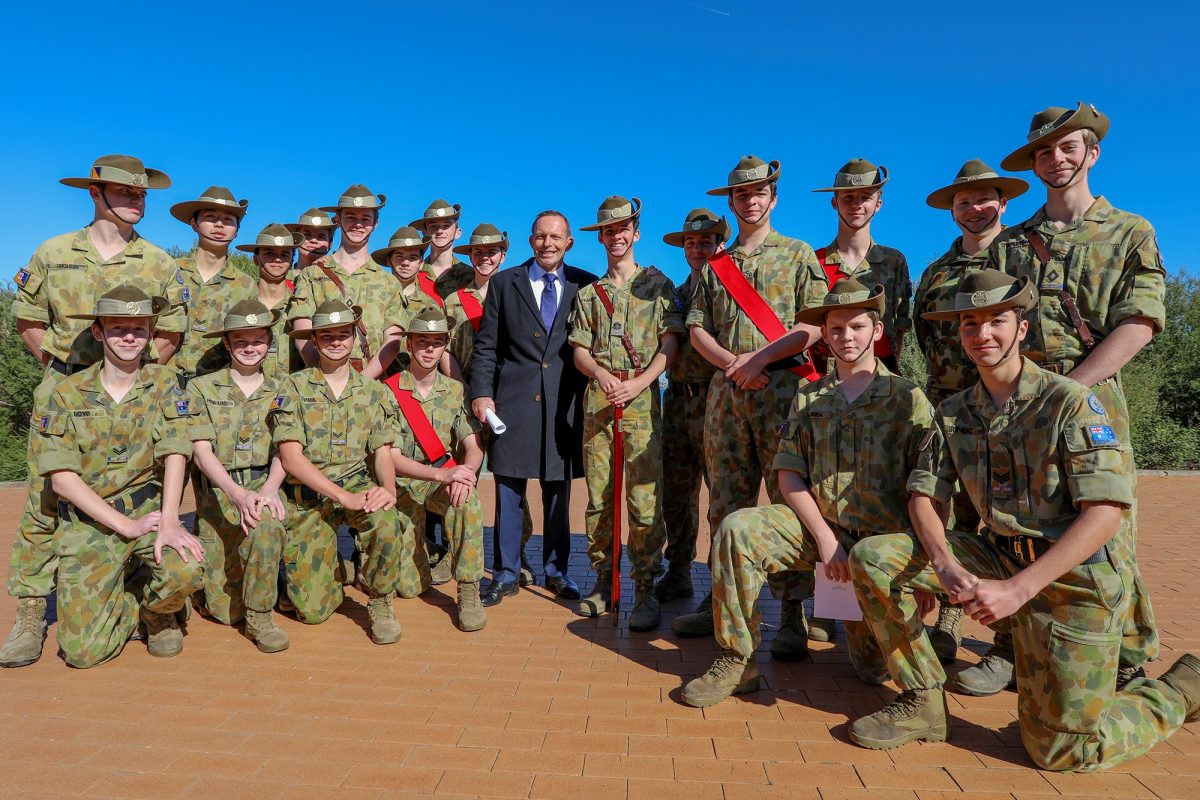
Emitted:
<point x="20" y="374"/>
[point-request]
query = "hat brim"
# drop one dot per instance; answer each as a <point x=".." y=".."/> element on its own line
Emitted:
<point x="1083" y="116"/>
<point x="155" y="179"/>
<point x="381" y="257"/>
<point x="815" y="315"/>
<point x="1025" y="298"/>
<point x="771" y="178"/>
<point x="306" y="333"/>
<point x="158" y="305"/>
<point x="419" y="224"/>
<point x="250" y="248"/>
<point x="597" y="226"/>
<point x="295" y="227"/>
<point x="465" y="249"/>
<point x="722" y="230"/>
<point x="275" y="315"/>
<point x="1009" y="188"/>
<point x="418" y="333"/>
<point x="186" y="211"/>
<point x="336" y="209"/>
<point x="876" y="185"/>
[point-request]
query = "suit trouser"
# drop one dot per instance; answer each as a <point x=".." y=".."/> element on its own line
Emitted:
<point x="510" y="515"/>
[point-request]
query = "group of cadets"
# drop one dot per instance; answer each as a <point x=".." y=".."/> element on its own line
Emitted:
<point x="326" y="399"/>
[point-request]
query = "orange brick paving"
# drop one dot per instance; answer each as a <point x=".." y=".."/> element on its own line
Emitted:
<point x="541" y="704"/>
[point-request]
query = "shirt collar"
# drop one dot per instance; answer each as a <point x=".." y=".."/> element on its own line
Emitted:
<point x="536" y="273"/>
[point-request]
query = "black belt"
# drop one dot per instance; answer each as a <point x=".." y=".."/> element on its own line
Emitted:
<point x="62" y="367"/>
<point x="696" y="389"/>
<point x="1057" y="367"/>
<point x="1027" y="549"/>
<point x="242" y="477"/>
<point x="303" y="494"/>
<point x="124" y="505"/>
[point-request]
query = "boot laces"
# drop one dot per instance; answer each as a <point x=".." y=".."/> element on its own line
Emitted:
<point x="949" y="616"/>
<point x="468" y="593"/>
<point x="904" y="706"/>
<point x="725" y="666"/>
<point x="30" y="614"/>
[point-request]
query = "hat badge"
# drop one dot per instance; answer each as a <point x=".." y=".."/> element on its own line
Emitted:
<point x="441" y="212"/>
<point x="979" y="298"/>
<point x="138" y="180"/>
<point x="697" y="225"/>
<point x="358" y="201"/>
<point x="336" y="316"/>
<point x="131" y="308"/>
<point x="278" y="240"/>
<point x="843" y="298"/>
<point x="251" y="319"/>
<point x="430" y="325"/>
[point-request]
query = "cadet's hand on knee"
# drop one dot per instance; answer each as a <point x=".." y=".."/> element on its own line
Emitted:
<point x="994" y="600"/>
<point x="136" y="528"/>
<point x="957" y="581"/>
<point x="926" y="602"/>
<point x="378" y="498"/>
<point x="459" y="492"/>
<point x="837" y="567"/>
<point x="758" y="383"/>
<point x="272" y="502"/>
<point x="179" y="540"/>
<point x="458" y="474"/>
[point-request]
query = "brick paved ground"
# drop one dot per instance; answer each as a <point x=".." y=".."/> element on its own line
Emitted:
<point x="542" y="704"/>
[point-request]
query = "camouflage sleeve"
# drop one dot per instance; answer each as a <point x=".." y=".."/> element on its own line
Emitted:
<point x="922" y="328"/>
<point x="811" y="283"/>
<point x="935" y="474"/>
<point x="383" y="428"/>
<point x="285" y="420"/>
<point x="303" y="302"/>
<point x="200" y="424"/>
<point x="1093" y="456"/>
<point x="903" y="294"/>
<point x="31" y="303"/>
<point x="790" y="455"/>
<point x="170" y="286"/>
<point x="580" y="321"/>
<point x="1143" y="288"/>
<point x="56" y="450"/>
<point x="465" y="424"/>
<point x="700" y="304"/>
<point x="171" y="432"/>
<point x="921" y="421"/>
<point x="670" y="310"/>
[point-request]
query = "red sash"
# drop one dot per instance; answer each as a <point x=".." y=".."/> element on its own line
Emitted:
<point x="754" y="306"/>
<point x="834" y="273"/>
<point x="421" y="427"/>
<point x="471" y="308"/>
<point x="291" y="286"/>
<point x="430" y="288"/>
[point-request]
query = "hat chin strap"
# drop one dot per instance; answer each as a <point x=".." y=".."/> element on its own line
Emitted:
<point x="108" y="205"/>
<point x="1003" y="357"/>
<point x="868" y="349"/>
<point x="865" y="223"/>
<point x="976" y="231"/>
<point x="1070" y="179"/>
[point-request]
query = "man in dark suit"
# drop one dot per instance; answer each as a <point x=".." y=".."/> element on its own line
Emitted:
<point x="524" y="372"/>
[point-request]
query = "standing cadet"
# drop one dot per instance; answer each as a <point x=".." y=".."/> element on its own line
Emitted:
<point x="239" y="513"/>
<point x="844" y="457"/>
<point x="314" y="236"/>
<point x="702" y="236"/>
<point x="746" y="300"/>
<point x="1043" y="465"/>
<point x="273" y="250"/>
<point x="435" y="429"/>
<point x="61" y="279"/>
<point x="625" y="330"/>
<point x="351" y="276"/>
<point x="334" y="429"/>
<point x="210" y="283"/>
<point x="114" y="445"/>
<point x="446" y="273"/>
<point x="1101" y="294"/>
<point x="857" y="197"/>
<point x="976" y="200"/>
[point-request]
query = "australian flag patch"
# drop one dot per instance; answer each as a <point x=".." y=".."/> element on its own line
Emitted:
<point x="181" y="406"/>
<point x="22" y="277"/>
<point x="1102" y="434"/>
<point x="277" y="403"/>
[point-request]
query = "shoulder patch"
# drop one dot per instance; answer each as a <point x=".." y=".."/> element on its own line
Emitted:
<point x="277" y="403"/>
<point x="22" y="277"/>
<point x="44" y="423"/>
<point x="181" y="406"/>
<point x="1101" y="434"/>
<point x="679" y="305"/>
<point x="179" y="277"/>
<point x="1094" y="404"/>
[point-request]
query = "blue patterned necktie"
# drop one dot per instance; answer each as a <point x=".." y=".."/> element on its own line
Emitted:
<point x="549" y="304"/>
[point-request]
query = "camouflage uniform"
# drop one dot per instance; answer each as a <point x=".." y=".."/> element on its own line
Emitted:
<point x="339" y="436"/>
<point x="282" y="357"/>
<point x="683" y="440"/>
<point x="64" y="277"/>
<point x="459" y="275"/>
<point x="463" y="524"/>
<point x="742" y="424"/>
<point x="887" y="266"/>
<point x="855" y="458"/>
<point x="116" y="449"/>
<point x="1109" y="262"/>
<point x="370" y="286"/>
<point x="240" y="571"/>
<point x="1027" y="466"/>
<point x="644" y="309"/>
<point x="207" y="303"/>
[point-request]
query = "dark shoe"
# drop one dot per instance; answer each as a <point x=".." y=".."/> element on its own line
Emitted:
<point x="675" y="585"/>
<point x="1125" y="674"/>
<point x="791" y="642"/>
<point x="994" y="673"/>
<point x="563" y="587"/>
<point x="496" y="591"/>
<point x="1184" y="678"/>
<point x="946" y="634"/>
<point x="526" y="577"/>
<point x="698" y="623"/>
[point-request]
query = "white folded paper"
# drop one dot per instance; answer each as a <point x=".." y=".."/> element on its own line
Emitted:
<point x="834" y="599"/>
<point x="495" y="423"/>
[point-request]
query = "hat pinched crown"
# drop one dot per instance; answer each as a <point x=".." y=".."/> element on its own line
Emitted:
<point x="273" y="235"/>
<point x="1053" y="122"/>
<point x="246" y="315"/>
<point x="429" y="320"/>
<point x="357" y="196"/>
<point x="988" y="290"/>
<point x="313" y="218"/>
<point x="702" y="221"/>
<point x="122" y="171"/>
<point x="613" y="210"/>
<point x="214" y="198"/>
<point x="438" y="209"/>
<point x="485" y="235"/>
<point x="975" y="174"/>
<point x="126" y="301"/>
<point x="857" y="173"/>
<point x="846" y="293"/>
<point x="750" y="169"/>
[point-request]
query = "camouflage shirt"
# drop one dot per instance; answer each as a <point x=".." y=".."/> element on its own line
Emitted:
<point x="65" y="275"/>
<point x="459" y="275"/>
<point x="856" y="456"/>
<point x="114" y="447"/>
<point x="689" y="366"/>
<point x="235" y="424"/>
<point x="1108" y="261"/>
<point x="949" y="368"/>
<point x="886" y="266"/>
<point x="462" y="332"/>
<point x="282" y="357"/>
<point x="370" y="286"/>
<point x="444" y="408"/>
<point x="783" y="270"/>
<point x="207" y="303"/>
<point x="338" y="434"/>
<point x="1029" y="464"/>
<point x="644" y="309"/>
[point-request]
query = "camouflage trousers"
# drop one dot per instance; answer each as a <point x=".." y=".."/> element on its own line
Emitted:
<point x="462" y="526"/>
<point x="740" y="440"/>
<point x="752" y="544"/>
<point x="683" y="469"/>
<point x="643" y="466"/>
<point x="33" y="563"/>
<point x="97" y="608"/>
<point x="1067" y="640"/>
<point x="311" y="565"/>
<point x="240" y="571"/>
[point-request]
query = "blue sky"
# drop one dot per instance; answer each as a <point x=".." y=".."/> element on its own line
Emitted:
<point x="512" y="108"/>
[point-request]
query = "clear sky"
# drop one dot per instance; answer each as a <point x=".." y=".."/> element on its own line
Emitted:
<point x="509" y="108"/>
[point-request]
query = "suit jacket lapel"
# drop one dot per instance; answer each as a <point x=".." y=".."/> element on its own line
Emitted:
<point x="526" y="291"/>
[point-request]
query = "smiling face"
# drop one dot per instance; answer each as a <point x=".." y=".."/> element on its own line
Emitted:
<point x="442" y="232"/>
<point x="215" y="226"/>
<point x="427" y="348"/>
<point x="855" y="207"/>
<point x="753" y="202"/>
<point x="315" y="241"/>
<point x="124" y="204"/>
<point x="618" y="238"/>
<point x="851" y="333"/>
<point x="698" y="248"/>
<point x="406" y="262"/>
<point x="274" y="262"/>
<point x="124" y="338"/>
<point x="550" y="241"/>
<point x="989" y="338"/>
<point x="249" y="347"/>
<point x="978" y="210"/>
<point x="486" y="259"/>
<point x="1066" y="160"/>
<point x="357" y="224"/>
<point x="335" y="344"/>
